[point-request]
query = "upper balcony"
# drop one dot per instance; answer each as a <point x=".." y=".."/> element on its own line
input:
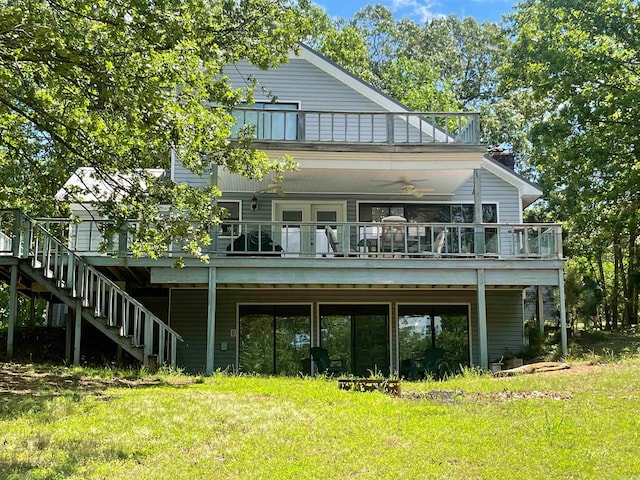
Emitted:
<point x="279" y="127"/>
<point x="349" y="240"/>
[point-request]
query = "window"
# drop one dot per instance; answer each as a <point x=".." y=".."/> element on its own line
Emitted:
<point x="275" y="339"/>
<point x="427" y="213"/>
<point x="459" y="239"/>
<point x="421" y="327"/>
<point x="272" y="123"/>
<point x="233" y="213"/>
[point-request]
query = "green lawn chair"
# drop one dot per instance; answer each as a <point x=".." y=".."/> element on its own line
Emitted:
<point x="432" y="364"/>
<point x="327" y="365"/>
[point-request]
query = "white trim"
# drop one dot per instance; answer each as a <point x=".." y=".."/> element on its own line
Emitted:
<point x="306" y="206"/>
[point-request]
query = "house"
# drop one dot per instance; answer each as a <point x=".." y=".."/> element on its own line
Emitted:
<point x="398" y="233"/>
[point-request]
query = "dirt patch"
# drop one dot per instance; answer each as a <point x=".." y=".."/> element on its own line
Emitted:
<point x="458" y="396"/>
<point x="20" y="379"/>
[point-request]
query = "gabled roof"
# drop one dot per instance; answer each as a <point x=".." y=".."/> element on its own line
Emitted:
<point x="529" y="191"/>
<point x="85" y="186"/>
<point x="332" y="68"/>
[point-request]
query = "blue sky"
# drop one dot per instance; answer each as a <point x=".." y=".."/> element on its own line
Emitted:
<point x="420" y="10"/>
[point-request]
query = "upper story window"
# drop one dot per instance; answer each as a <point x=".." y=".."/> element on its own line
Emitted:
<point x="233" y="208"/>
<point x="427" y="213"/>
<point x="269" y="121"/>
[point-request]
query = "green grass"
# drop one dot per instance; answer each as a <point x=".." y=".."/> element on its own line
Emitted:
<point x="95" y="424"/>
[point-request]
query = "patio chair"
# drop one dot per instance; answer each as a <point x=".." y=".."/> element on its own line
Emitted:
<point x="325" y="364"/>
<point x="392" y="237"/>
<point x="438" y="244"/>
<point x="332" y="238"/>
<point x="432" y="364"/>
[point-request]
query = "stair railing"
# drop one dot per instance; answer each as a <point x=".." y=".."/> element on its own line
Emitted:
<point x="109" y="302"/>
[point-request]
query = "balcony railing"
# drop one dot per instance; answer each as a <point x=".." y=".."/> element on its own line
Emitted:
<point x="391" y="128"/>
<point x="359" y="240"/>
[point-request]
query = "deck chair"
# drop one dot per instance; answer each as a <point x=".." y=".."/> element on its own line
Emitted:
<point x="432" y="364"/>
<point x="325" y="364"/>
<point x="392" y="235"/>
<point x="332" y="238"/>
<point x="438" y="244"/>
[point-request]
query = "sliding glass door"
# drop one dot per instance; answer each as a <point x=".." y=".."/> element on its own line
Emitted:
<point x="421" y="327"/>
<point x="358" y="334"/>
<point x="274" y="339"/>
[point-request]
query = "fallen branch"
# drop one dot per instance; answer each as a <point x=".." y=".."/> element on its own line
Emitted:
<point x="532" y="368"/>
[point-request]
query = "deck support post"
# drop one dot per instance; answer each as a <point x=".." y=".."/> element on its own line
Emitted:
<point x="540" y="311"/>
<point x="68" y="345"/>
<point x="482" y="320"/>
<point x="563" y="312"/>
<point x="13" y="310"/>
<point x="211" y="321"/>
<point x="77" y="332"/>
<point x="477" y="211"/>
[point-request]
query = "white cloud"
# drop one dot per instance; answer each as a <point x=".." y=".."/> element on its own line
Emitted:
<point x="417" y="9"/>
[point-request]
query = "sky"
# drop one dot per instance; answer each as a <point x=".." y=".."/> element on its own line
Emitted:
<point x="421" y="10"/>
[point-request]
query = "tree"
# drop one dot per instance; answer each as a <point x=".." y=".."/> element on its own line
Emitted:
<point x="447" y="64"/>
<point x="116" y="86"/>
<point x="579" y="61"/>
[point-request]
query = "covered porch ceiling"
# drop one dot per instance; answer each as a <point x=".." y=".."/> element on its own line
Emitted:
<point x="409" y="182"/>
<point x="407" y="174"/>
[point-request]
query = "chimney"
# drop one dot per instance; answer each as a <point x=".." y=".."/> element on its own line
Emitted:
<point x="505" y="158"/>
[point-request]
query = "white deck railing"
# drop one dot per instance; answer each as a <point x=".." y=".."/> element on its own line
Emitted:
<point x="25" y="238"/>
<point x="349" y="239"/>
<point x="391" y="128"/>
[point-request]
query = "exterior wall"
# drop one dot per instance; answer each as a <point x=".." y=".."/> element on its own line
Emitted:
<point x="189" y="317"/>
<point x="505" y="323"/>
<point x="300" y="81"/>
<point x="494" y="190"/>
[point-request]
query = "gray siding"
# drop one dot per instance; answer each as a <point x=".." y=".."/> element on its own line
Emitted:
<point x="494" y="190"/>
<point x="189" y="317"/>
<point x="505" y="323"/>
<point x="300" y="81"/>
<point x="181" y="174"/>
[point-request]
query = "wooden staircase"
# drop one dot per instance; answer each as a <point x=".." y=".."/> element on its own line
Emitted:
<point x="98" y="300"/>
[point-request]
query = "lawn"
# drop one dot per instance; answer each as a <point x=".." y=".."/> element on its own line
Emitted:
<point x="101" y="424"/>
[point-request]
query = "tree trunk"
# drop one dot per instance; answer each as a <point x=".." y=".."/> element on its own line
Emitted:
<point x="605" y="293"/>
<point x="634" y="263"/>
<point x="615" y="294"/>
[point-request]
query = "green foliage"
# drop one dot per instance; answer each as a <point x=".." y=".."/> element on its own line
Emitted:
<point x="115" y="86"/>
<point x="25" y="311"/>
<point x="578" y="60"/>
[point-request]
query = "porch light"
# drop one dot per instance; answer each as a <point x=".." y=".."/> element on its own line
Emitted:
<point x="254" y="203"/>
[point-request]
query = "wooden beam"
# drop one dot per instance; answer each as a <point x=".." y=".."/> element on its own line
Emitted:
<point x="77" y="332"/>
<point x="211" y="322"/>
<point x="563" y="312"/>
<point x="13" y="310"/>
<point x="482" y="321"/>
<point x="477" y="211"/>
<point x="540" y="311"/>
<point x="68" y="346"/>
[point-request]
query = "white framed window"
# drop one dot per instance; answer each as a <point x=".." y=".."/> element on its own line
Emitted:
<point x="234" y="210"/>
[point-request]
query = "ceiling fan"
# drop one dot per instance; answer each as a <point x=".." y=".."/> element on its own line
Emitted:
<point x="411" y="189"/>
<point x="274" y="187"/>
